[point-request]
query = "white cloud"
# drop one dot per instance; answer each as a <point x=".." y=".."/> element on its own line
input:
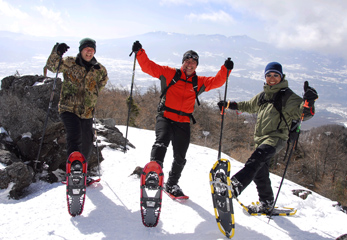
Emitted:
<point x="49" y="14"/>
<point x="219" y="16"/>
<point x="7" y="10"/>
<point x="310" y="24"/>
<point x="182" y="2"/>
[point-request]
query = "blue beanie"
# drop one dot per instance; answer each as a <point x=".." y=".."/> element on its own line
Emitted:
<point x="274" y="67"/>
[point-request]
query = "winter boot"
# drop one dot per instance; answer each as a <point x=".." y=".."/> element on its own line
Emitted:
<point x="261" y="207"/>
<point x="174" y="190"/>
<point x="236" y="187"/>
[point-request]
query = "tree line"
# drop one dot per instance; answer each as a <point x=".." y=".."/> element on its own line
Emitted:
<point x="319" y="162"/>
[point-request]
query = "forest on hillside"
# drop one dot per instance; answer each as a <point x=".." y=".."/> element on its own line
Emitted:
<point x="318" y="163"/>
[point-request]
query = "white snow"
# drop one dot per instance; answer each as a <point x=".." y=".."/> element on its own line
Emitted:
<point x="112" y="207"/>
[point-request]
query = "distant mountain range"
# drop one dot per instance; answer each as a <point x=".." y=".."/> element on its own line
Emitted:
<point x="27" y="55"/>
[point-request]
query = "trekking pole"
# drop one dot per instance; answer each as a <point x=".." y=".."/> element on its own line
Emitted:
<point x="222" y="113"/>
<point x="285" y="169"/>
<point x="47" y="115"/>
<point x="130" y="102"/>
<point x="97" y="148"/>
<point x="290" y="154"/>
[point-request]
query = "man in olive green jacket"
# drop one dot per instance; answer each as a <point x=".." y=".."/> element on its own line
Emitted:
<point x="84" y="78"/>
<point x="271" y="130"/>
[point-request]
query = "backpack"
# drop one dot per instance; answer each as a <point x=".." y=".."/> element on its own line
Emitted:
<point x="177" y="77"/>
<point x="278" y="101"/>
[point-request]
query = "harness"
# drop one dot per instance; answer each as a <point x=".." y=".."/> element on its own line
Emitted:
<point x="176" y="78"/>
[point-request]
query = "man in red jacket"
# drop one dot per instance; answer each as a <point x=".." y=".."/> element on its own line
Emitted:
<point x="175" y="110"/>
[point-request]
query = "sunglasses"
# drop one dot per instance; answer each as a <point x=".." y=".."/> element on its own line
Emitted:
<point x="187" y="56"/>
<point x="272" y="75"/>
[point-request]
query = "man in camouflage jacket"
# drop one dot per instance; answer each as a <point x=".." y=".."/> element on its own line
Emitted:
<point x="84" y="78"/>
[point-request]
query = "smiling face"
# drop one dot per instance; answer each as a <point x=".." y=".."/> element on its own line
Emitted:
<point x="87" y="53"/>
<point x="272" y="78"/>
<point x="189" y="66"/>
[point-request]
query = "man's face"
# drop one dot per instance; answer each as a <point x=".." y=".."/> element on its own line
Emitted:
<point x="189" y="66"/>
<point x="87" y="53"/>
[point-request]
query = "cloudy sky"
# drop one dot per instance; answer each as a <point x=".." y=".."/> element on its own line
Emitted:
<point x="318" y="25"/>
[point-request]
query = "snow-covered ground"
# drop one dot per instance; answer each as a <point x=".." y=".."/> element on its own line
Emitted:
<point x="112" y="207"/>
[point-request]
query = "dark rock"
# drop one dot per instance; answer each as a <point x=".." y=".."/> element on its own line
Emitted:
<point x="137" y="172"/>
<point x="24" y="103"/>
<point x="18" y="173"/>
<point x="301" y="193"/>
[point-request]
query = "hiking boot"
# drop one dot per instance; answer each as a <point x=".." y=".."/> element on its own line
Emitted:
<point x="236" y="187"/>
<point x="174" y="190"/>
<point x="152" y="180"/>
<point x="261" y="207"/>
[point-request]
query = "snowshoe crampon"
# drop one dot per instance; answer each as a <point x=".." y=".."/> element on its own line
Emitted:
<point x="76" y="175"/>
<point x="222" y="197"/>
<point x="151" y="193"/>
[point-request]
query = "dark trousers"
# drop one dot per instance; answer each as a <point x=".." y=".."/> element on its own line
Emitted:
<point x="79" y="134"/>
<point x="257" y="169"/>
<point x="178" y="133"/>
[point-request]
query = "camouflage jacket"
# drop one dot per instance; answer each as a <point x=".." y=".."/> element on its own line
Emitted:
<point x="80" y="88"/>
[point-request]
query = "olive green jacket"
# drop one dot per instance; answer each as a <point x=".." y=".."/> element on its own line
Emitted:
<point x="267" y="130"/>
<point x="80" y="88"/>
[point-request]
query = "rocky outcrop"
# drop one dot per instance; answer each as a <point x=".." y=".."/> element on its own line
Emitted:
<point x="24" y="103"/>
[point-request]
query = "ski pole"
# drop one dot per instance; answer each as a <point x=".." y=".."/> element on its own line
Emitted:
<point x="47" y="115"/>
<point x="222" y="113"/>
<point x="130" y="102"/>
<point x="291" y="152"/>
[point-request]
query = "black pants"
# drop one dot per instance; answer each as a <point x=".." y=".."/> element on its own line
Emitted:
<point x="178" y="133"/>
<point x="257" y="169"/>
<point x="79" y="134"/>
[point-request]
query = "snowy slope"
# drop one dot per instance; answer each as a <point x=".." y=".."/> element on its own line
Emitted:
<point x="112" y="208"/>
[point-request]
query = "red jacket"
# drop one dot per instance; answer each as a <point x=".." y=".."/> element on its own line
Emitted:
<point x="180" y="96"/>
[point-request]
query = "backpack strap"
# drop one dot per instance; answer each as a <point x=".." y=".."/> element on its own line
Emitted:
<point x="278" y="101"/>
<point x="173" y="81"/>
<point x="176" y="78"/>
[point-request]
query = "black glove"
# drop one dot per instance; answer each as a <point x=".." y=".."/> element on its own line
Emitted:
<point x="62" y="48"/>
<point x="136" y="46"/>
<point x="226" y="105"/>
<point x="310" y="94"/>
<point x="229" y="64"/>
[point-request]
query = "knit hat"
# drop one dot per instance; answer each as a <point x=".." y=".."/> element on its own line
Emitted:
<point x="274" y="67"/>
<point x="87" y="42"/>
<point x="191" y="54"/>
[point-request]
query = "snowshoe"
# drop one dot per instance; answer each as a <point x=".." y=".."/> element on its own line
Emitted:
<point x="222" y="195"/>
<point x="151" y="193"/>
<point x="175" y="193"/>
<point x="256" y="209"/>
<point x="76" y="175"/>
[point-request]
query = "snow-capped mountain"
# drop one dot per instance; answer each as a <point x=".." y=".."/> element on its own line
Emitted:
<point x="325" y="73"/>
